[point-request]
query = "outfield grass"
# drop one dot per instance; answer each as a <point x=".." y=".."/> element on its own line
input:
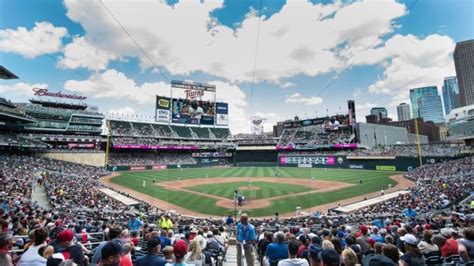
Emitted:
<point x="372" y="181"/>
<point x="267" y="189"/>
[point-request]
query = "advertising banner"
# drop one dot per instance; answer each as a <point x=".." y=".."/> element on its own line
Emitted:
<point x="222" y="114"/>
<point x="311" y="160"/>
<point x="163" y="105"/>
<point x="356" y="166"/>
<point x="386" y="168"/>
<point x="156" y="147"/>
<point x="159" y="167"/>
<point x="137" y="168"/>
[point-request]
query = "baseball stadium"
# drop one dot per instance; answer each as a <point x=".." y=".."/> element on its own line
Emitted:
<point x="201" y="172"/>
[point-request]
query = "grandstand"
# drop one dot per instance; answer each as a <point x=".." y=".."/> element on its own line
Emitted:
<point x="433" y="191"/>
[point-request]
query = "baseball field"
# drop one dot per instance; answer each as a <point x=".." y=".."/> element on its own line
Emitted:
<point x="210" y="191"/>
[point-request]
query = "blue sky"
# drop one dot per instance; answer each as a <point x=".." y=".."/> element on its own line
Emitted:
<point x="77" y="47"/>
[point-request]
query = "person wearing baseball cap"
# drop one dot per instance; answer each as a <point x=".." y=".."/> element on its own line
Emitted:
<point x="111" y="254"/>
<point x="114" y="235"/>
<point x="363" y="240"/>
<point x="64" y="249"/>
<point x="152" y="258"/>
<point x="330" y="257"/>
<point x="180" y="249"/>
<point x="412" y="255"/>
<point x="314" y="256"/>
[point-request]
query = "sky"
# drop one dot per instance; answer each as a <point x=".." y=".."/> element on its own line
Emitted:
<point x="270" y="58"/>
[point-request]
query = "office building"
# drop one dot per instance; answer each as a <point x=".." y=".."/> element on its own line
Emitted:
<point x="424" y="128"/>
<point x="464" y="63"/>
<point x="430" y="108"/>
<point x="403" y="112"/>
<point x="380" y="112"/>
<point x="451" y="97"/>
<point x="416" y="94"/>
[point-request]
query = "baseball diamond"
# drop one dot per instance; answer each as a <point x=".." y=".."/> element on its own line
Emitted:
<point x="194" y="191"/>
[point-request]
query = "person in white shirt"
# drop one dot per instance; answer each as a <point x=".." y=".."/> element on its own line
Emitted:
<point x="292" y="259"/>
<point x="34" y="255"/>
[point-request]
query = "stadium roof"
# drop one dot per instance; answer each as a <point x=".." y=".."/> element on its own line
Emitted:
<point x="63" y="105"/>
<point x="6" y="74"/>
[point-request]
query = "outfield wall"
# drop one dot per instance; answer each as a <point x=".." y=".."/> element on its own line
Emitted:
<point x="402" y="164"/>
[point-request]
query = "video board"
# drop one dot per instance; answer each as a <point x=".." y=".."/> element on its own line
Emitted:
<point x="192" y="103"/>
<point x="186" y="111"/>
<point x="334" y="122"/>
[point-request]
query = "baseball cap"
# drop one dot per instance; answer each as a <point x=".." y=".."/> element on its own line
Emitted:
<point x="446" y="232"/>
<point x="58" y="223"/>
<point x="371" y="241"/>
<point x="330" y="257"/>
<point x="154" y="242"/>
<point x="340" y="234"/>
<point x="180" y="248"/>
<point x="364" y="229"/>
<point x="112" y="248"/>
<point x="66" y="235"/>
<point x="316" y="240"/>
<point x="409" y="239"/>
<point x="314" y="251"/>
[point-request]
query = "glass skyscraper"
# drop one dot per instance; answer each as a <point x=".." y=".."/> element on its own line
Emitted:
<point x="451" y="96"/>
<point x="416" y="94"/>
<point x="464" y="63"/>
<point x="430" y="108"/>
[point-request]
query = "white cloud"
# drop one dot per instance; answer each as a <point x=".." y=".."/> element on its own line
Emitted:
<point x="19" y="91"/>
<point x="411" y="62"/>
<point x="43" y="38"/>
<point x="288" y="85"/>
<point x="79" y="53"/>
<point x="200" y="43"/>
<point x="298" y="98"/>
<point x="362" y="110"/>
<point x="124" y="110"/>
<point x="238" y="113"/>
<point x="114" y="85"/>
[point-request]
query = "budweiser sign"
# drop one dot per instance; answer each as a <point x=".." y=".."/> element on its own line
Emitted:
<point x="45" y="92"/>
<point x="193" y="94"/>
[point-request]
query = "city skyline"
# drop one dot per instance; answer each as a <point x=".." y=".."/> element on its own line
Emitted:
<point x="281" y="60"/>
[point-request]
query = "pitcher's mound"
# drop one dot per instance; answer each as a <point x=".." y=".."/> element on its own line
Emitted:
<point x="249" y="188"/>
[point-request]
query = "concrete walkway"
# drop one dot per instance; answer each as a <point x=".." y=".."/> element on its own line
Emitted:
<point x="231" y="257"/>
<point x="39" y="195"/>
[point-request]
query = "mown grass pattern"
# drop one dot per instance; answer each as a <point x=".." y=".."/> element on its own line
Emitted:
<point x="372" y="181"/>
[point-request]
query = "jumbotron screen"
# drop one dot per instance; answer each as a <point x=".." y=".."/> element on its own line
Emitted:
<point x="191" y="111"/>
<point x="186" y="111"/>
<point x="334" y="122"/>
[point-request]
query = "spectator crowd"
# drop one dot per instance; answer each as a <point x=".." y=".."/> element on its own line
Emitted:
<point x="83" y="226"/>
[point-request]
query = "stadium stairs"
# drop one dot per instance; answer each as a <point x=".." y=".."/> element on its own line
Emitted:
<point x="231" y="257"/>
<point x="39" y="196"/>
